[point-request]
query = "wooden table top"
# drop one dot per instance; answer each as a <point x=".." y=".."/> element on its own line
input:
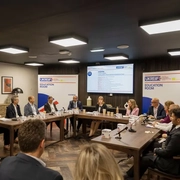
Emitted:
<point x="130" y="140"/>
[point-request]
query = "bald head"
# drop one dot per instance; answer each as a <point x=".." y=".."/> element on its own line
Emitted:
<point x="155" y="102"/>
<point x="31" y="99"/>
<point x="75" y="98"/>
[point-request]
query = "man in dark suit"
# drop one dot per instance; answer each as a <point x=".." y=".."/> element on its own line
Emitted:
<point x="75" y="104"/>
<point x="13" y="111"/>
<point x="50" y="107"/>
<point x="156" y="110"/>
<point x="163" y="158"/>
<point x="27" y="164"/>
<point x="30" y="108"/>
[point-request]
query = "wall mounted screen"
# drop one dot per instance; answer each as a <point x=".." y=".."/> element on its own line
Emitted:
<point x="110" y="79"/>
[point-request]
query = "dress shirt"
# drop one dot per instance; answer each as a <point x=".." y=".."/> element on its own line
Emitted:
<point x="74" y="104"/>
<point x="52" y="107"/>
<point x="33" y="108"/>
<point x="155" y="109"/>
<point x="164" y="126"/>
<point x="37" y="159"/>
<point x="15" y="108"/>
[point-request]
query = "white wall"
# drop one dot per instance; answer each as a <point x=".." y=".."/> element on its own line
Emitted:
<point x="24" y="77"/>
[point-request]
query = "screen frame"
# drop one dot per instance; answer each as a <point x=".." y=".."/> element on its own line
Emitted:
<point x="112" y="92"/>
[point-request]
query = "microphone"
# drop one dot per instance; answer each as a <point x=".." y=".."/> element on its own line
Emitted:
<point x="119" y="133"/>
<point x="131" y="129"/>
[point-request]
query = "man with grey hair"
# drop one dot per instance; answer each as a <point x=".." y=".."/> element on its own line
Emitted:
<point x="75" y="104"/>
<point x="156" y="110"/>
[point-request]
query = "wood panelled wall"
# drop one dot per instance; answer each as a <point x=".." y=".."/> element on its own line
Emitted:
<point x="140" y="66"/>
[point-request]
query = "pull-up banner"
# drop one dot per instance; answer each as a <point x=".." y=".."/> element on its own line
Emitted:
<point x="61" y="87"/>
<point x="164" y="85"/>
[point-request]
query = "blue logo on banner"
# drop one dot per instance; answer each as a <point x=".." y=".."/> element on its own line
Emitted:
<point x="46" y="79"/>
<point x="152" y="78"/>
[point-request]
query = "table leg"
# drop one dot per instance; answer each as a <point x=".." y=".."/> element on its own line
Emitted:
<point x="84" y="126"/>
<point x="74" y="134"/>
<point x="61" y="129"/>
<point x="11" y="131"/>
<point x="136" y="166"/>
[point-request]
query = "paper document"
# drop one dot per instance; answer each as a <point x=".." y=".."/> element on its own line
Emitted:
<point x="5" y="119"/>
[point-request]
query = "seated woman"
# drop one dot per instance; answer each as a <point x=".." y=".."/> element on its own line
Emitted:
<point x="99" y="107"/>
<point x="96" y="162"/>
<point x="167" y="107"/>
<point x="132" y="108"/>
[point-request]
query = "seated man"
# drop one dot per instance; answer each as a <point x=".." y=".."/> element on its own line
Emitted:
<point x="50" y="107"/>
<point x="13" y="111"/>
<point x="30" y="108"/>
<point x="27" y="164"/>
<point x="163" y="158"/>
<point x="156" y="110"/>
<point x="75" y="104"/>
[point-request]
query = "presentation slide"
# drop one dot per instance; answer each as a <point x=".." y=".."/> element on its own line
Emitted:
<point x="110" y="79"/>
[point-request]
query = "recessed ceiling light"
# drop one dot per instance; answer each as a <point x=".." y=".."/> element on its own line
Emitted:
<point x="32" y="57"/>
<point x="123" y="46"/>
<point x="68" y="41"/>
<point x="174" y="52"/>
<point x="13" y="49"/>
<point x="33" y="64"/>
<point x="97" y="50"/>
<point x="162" y="27"/>
<point x="116" y="57"/>
<point x="68" y="61"/>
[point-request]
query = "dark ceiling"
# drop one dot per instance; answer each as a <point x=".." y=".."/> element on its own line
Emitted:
<point x="105" y="23"/>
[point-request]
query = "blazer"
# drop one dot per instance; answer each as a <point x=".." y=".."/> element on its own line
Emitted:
<point x="164" y="160"/>
<point x="135" y="111"/>
<point x="71" y="105"/>
<point x="104" y="106"/>
<point x="161" y="114"/>
<point x="166" y="119"/>
<point x="28" y="110"/>
<point x="47" y="107"/>
<point x="10" y="111"/>
<point x="23" y="167"/>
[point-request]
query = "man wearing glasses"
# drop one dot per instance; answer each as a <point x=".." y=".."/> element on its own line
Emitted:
<point x="156" y="110"/>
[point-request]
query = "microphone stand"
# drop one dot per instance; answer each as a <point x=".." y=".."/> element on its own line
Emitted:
<point x="131" y="124"/>
<point x="119" y="133"/>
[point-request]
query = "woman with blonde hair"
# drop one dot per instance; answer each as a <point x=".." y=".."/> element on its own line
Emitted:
<point x="96" y="162"/>
<point x="99" y="107"/>
<point x="132" y="108"/>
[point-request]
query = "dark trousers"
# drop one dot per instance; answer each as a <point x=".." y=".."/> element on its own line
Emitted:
<point x="57" y="123"/>
<point x="79" y="123"/>
<point x="6" y="135"/>
<point x="146" y="161"/>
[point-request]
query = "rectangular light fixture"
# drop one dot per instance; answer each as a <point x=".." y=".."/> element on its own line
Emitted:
<point x="68" y="41"/>
<point x="13" y="49"/>
<point x="174" y="52"/>
<point x="97" y="50"/>
<point x="116" y="57"/>
<point x="33" y="64"/>
<point x="162" y="27"/>
<point x="68" y="61"/>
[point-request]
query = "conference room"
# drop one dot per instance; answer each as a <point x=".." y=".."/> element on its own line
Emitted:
<point x="96" y="74"/>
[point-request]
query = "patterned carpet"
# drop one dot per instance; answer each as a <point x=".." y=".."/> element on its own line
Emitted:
<point x="62" y="156"/>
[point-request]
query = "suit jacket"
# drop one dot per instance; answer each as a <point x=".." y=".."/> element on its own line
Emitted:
<point x="104" y="106"/>
<point x="28" y="110"/>
<point x="160" y="112"/>
<point x="71" y="105"/>
<point x="10" y="111"/>
<point x="135" y="111"/>
<point x="164" y="160"/>
<point x="23" y="167"/>
<point x="47" y="107"/>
